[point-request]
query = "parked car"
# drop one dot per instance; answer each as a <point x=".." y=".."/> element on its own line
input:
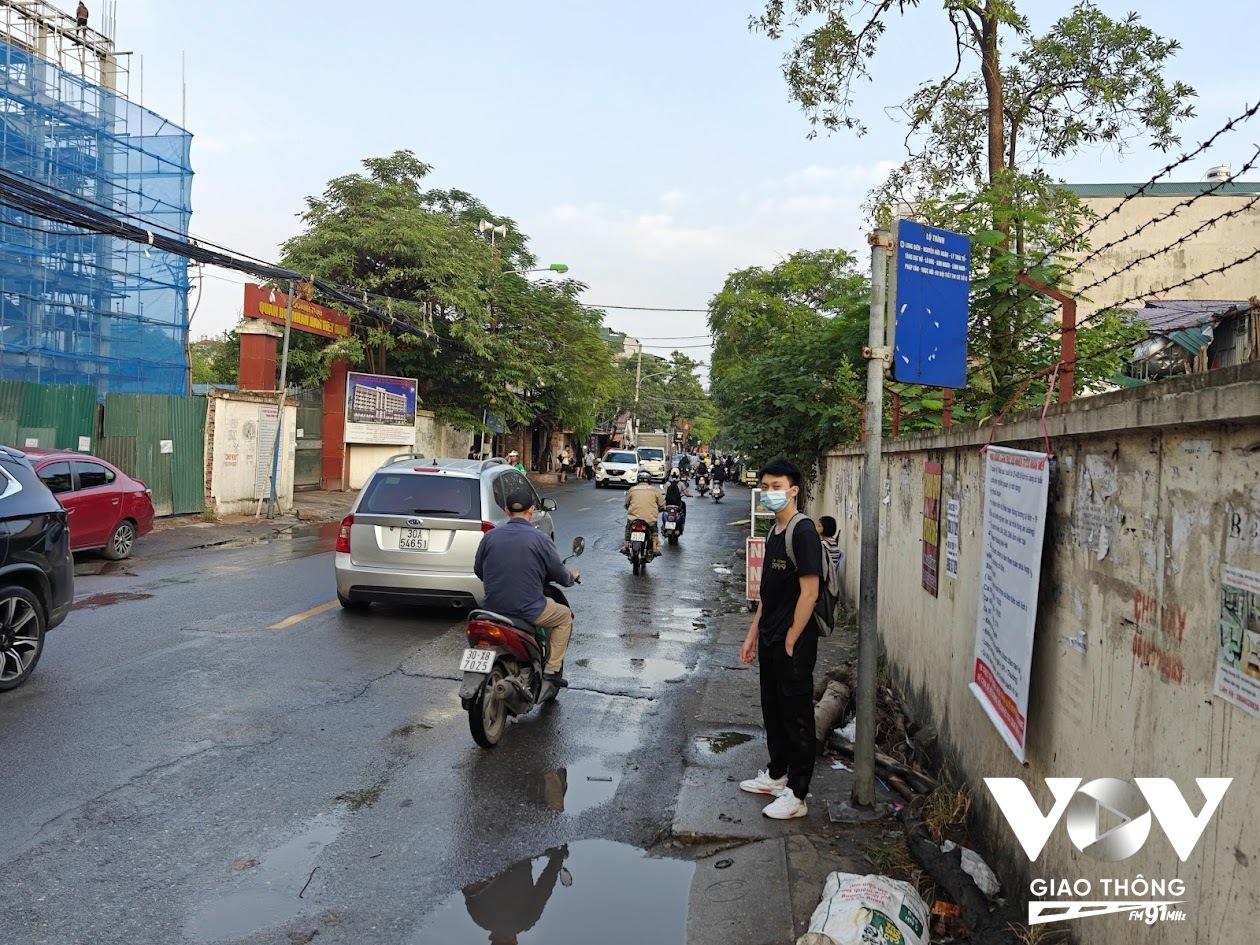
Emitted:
<point x="652" y="458"/>
<point x="413" y="532"/>
<point x="36" y="569"/>
<point x="107" y="509"/>
<point x="618" y="467"/>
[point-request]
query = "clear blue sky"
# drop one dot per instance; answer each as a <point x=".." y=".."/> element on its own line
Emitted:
<point x="650" y="146"/>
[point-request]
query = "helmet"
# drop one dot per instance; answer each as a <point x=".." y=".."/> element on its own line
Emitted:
<point x="674" y="474"/>
<point x="644" y="476"/>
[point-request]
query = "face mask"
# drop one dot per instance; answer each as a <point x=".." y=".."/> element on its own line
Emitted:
<point x="774" y="501"/>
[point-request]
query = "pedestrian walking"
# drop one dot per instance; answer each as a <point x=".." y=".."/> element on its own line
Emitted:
<point x="563" y="462"/>
<point x="588" y="463"/>
<point x="784" y="638"/>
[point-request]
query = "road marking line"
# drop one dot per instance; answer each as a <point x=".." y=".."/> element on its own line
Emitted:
<point x="298" y="618"/>
<point x="584" y="510"/>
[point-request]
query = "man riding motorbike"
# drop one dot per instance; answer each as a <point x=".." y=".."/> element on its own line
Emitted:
<point x="514" y="562"/>
<point x="674" y="493"/>
<point x="644" y="503"/>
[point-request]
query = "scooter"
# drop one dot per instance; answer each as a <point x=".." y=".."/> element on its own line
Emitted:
<point x="640" y="545"/>
<point x="718" y="491"/>
<point x="503" y="667"/>
<point x="702" y="484"/>
<point x="674" y="522"/>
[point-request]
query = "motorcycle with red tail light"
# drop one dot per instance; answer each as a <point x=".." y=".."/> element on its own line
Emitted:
<point x="503" y="667"/>
<point x="641" y="551"/>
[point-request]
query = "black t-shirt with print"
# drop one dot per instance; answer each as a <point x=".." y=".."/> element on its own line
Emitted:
<point x="780" y="582"/>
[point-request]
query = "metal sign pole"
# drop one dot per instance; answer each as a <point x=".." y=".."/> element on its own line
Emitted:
<point x="878" y="358"/>
<point x="284" y="383"/>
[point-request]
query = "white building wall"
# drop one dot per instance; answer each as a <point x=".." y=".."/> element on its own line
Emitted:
<point x="235" y="449"/>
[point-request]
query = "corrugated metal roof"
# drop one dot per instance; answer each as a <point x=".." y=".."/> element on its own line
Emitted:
<point x="1165" y="315"/>
<point x="1193" y="340"/>
<point x="1165" y="189"/>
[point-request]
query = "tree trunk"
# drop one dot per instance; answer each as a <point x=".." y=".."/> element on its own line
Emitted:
<point x="990" y="68"/>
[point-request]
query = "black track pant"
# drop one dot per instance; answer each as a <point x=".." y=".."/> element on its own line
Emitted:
<point x="787" y="709"/>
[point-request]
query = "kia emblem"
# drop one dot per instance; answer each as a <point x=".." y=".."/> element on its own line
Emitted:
<point x="415" y="521"/>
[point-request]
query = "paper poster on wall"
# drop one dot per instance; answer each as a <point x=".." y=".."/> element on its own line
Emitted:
<point x="1238" y="658"/>
<point x="931" y="527"/>
<point x="166" y="447"/>
<point x="380" y="410"/>
<point x="952" y="510"/>
<point x="32" y="443"/>
<point x="1016" y="489"/>
<point x="85" y="444"/>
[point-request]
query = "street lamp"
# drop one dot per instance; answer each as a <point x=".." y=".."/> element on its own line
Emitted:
<point x="554" y="267"/>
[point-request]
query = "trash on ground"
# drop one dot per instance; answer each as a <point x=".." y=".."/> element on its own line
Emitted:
<point x="839" y="765"/>
<point x="850" y="730"/>
<point x="975" y="867"/>
<point x="856" y="910"/>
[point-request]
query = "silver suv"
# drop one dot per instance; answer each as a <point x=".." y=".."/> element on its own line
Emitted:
<point x="412" y="534"/>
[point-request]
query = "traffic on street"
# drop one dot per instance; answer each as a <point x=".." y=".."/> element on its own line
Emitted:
<point x="213" y="750"/>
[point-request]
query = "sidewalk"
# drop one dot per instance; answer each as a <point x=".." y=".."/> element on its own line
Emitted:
<point x="181" y="533"/>
<point x="778" y="867"/>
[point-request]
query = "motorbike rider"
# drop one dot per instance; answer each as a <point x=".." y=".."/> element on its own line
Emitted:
<point x="674" y="493"/>
<point x="644" y="503"/>
<point x="701" y="470"/>
<point x="514" y="562"/>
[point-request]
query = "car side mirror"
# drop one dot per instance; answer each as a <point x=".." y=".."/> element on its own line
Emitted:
<point x="549" y="505"/>
<point x="579" y="545"/>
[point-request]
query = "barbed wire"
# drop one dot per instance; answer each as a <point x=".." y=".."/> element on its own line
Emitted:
<point x="1185" y="204"/>
<point x="1122" y="305"/>
<point x="1238" y="211"/>
<point x="1167" y="169"/>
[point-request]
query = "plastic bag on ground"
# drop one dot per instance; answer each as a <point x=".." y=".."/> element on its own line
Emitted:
<point x="867" y="910"/>
<point x="975" y="867"/>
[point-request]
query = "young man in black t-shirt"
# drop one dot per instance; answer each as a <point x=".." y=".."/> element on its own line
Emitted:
<point x="784" y="636"/>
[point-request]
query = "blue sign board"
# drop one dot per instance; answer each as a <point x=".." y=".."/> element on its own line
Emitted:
<point x="929" y="324"/>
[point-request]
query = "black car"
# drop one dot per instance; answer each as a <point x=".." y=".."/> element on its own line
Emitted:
<point x="36" y="569"/>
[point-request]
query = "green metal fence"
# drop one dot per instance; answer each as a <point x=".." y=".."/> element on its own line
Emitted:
<point x="63" y="417"/>
<point x="161" y="440"/>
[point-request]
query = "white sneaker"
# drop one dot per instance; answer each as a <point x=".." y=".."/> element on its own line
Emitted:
<point x="764" y="784"/>
<point x="786" y="806"/>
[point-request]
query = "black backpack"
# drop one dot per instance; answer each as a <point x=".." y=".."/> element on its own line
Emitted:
<point x="828" y="584"/>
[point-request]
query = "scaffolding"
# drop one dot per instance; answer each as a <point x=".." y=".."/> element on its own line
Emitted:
<point x="76" y="307"/>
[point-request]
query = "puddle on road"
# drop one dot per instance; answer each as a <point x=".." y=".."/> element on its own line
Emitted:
<point x="722" y="742"/>
<point x="646" y="671"/>
<point x="575" y="789"/>
<point x="266" y="895"/>
<point x="720" y="569"/>
<point x="106" y="600"/>
<point x="590" y="891"/>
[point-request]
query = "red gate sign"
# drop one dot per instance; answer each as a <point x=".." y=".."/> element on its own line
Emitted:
<point x="313" y="319"/>
<point x="754" y="560"/>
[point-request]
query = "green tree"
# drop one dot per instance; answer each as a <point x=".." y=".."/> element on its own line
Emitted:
<point x="978" y="140"/>
<point x="477" y="337"/>
<point x="783" y="380"/>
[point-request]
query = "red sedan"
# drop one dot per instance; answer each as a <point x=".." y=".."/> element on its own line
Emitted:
<point x="107" y="509"/>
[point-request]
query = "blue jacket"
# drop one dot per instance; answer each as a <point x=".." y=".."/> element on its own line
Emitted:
<point x="514" y="562"/>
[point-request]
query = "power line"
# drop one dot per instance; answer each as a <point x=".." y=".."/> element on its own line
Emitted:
<point x="642" y="308"/>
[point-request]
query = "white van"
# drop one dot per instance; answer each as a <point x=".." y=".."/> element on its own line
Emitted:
<point x="652" y="458"/>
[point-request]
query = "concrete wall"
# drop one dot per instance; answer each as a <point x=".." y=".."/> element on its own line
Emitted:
<point x="434" y="440"/>
<point x="1157" y="488"/>
<point x="1221" y="243"/>
<point x="235" y="454"/>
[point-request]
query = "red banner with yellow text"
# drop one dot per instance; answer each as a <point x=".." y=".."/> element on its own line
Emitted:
<point x="271" y="305"/>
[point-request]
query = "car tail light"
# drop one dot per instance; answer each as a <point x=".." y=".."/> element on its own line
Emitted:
<point x="343" y="536"/>
<point x="486" y="526"/>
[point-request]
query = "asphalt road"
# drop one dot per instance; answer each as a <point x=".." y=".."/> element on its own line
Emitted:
<point x="212" y="751"/>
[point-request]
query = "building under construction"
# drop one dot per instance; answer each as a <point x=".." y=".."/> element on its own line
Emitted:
<point x="78" y="307"/>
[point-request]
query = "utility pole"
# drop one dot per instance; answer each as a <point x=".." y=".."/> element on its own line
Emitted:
<point x="877" y="360"/>
<point x="284" y="389"/>
<point x="638" y="380"/>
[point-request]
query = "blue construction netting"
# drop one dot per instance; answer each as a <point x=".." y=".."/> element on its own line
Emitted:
<point x="78" y="308"/>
